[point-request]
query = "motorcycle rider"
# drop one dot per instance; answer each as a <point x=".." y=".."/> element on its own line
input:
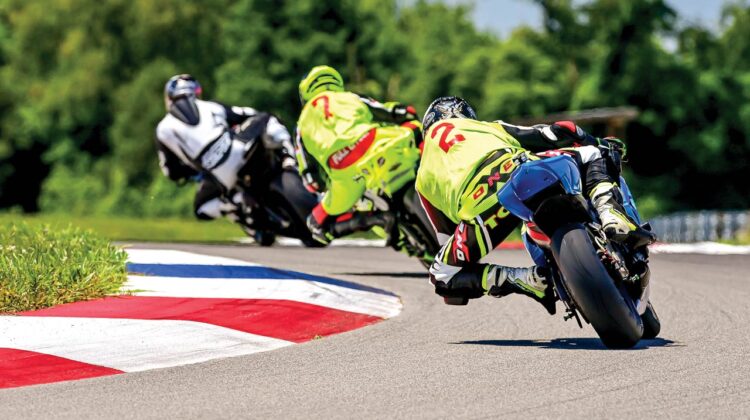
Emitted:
<point x="348" y="144"/>
<point x="195" y="140"/>
<point x="464" y="164"/>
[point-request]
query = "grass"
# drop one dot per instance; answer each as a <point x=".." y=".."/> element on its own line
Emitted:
<point x="41" y="266"/>
<point x="137" y="229"/>
<point x="131" y="229"/>
<point x="743" y="238"/>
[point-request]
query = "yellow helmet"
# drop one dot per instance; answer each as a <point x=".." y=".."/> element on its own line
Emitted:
<point x="320" y="79"/>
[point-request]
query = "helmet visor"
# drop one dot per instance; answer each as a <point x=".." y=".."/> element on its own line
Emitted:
<point x="185" y="109"/>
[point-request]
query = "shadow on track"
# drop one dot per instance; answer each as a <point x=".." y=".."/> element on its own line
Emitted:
<point x="415" y="275"/>
<point x="571" y="343"/>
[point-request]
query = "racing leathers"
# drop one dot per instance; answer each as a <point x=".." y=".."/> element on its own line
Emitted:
<point x="464" y="164"/>
<point x="212" y="145"/>
<point x="349" y="144"/>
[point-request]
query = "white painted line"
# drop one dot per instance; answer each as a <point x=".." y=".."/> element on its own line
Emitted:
<point x="127" y="344"/>
<point x="166" y="256"/>
<point x="306" y="291"/>
<point x="708" y="248"/>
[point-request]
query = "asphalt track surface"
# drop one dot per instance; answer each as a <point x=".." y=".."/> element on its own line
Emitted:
<point x="493" y="358"/>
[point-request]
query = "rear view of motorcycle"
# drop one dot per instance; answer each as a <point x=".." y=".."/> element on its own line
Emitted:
<point x="390" y="194"/>
<point x="412" y="232"/>
<point x="273" y="196"/>
<point x="607" y="283"/>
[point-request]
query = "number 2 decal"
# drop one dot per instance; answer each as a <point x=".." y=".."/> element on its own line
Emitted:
<point x="446" y="144"/>
<point x="326" y="112"/>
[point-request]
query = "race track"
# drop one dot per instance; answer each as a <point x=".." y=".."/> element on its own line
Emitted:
<point x="492" y="358"/>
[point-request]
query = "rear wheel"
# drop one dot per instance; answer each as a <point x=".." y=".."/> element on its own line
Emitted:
<point x="592" y="289"/>
<point x="419" y="230"/>
<point x="651" y="323"/>
<point x="289" y="197"/>
<point x="419" y="244"/>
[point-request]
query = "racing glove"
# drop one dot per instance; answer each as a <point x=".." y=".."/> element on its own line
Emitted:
<point x="568" y="130"/>
<point x="319" y="226"/>
<point x="402" y="113"/>
<point x="615" y="144"/>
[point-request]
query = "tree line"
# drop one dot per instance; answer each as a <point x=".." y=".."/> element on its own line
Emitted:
<point x="81" y="84"/>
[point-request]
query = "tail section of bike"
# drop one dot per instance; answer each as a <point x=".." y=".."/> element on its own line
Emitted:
<point x="562" y="233"/>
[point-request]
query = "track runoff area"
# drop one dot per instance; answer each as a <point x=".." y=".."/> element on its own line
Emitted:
<point x="203" y="331"/>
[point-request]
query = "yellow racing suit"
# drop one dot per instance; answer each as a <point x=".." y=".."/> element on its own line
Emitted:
<point x="359" y="144"/>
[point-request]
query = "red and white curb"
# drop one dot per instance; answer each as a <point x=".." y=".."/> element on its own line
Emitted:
<point x="182" y="308"/>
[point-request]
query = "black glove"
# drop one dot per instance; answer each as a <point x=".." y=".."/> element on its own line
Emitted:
<point x="616" y="145"/>
<point x="568" y="130"/>
<point x="403" y="113"/>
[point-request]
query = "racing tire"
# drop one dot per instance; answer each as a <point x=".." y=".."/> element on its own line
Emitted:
<point x="651" y="323"/>
<point x="264" y="238"/>
<point x="423" y="233"/>
<point x="289" y="196"/>
<point x="593" y="291"/>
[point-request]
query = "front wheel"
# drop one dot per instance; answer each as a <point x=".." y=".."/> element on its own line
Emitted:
<point x="289" y="197"/>
<point x="264" y="238"/>
<point x="592" y="289"/>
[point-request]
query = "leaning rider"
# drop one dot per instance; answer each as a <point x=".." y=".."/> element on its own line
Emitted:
<point x="349" y="144"/>
<point x="464" y="164"/>
<point x="195" y="139"/>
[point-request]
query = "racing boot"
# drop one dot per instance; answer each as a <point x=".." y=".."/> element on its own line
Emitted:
<point x="532" y="282"/>
<point x="361" y="221"/>
<point x="616" y="224"/>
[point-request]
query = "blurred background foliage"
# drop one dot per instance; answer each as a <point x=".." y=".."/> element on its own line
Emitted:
<point x="81" y="85"/>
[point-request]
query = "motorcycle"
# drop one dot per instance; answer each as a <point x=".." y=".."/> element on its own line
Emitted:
<point x="604" y="282"/>
<point x="413" y="232"/>
<point x="274" y="197"/>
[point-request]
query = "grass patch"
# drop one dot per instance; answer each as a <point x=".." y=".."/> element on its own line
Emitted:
<point x="131" y="229"/>
<point x="743" y="238"/>
<point x="137" y="229"/>
<point x="41" y="266"/>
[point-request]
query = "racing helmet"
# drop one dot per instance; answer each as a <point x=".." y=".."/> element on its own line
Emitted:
<point x="320" y="79"/>
<point x="447" y="107"/>
<point x="180" y="93"/>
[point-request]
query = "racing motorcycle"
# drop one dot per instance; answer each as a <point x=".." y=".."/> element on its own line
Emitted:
<point x="274" y="201"/>
<point x="604" y="282"/>
<point x="412" y="233"/>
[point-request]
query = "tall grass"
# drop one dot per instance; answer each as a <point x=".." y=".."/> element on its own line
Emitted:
<point x="42" y="266"/>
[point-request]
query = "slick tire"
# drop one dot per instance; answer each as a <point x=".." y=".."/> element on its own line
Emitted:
<point x="265" y="238"/>
<point x="421" y="226"/>
<point x="592" y="289"/>
<point x="288" y="195"/>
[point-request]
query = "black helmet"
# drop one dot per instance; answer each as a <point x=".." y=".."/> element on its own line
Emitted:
<point x="180" y="93"/>
<point x="447" y="107"/>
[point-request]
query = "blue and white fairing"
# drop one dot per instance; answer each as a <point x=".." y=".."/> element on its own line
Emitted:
<point x="533" y="177"/>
